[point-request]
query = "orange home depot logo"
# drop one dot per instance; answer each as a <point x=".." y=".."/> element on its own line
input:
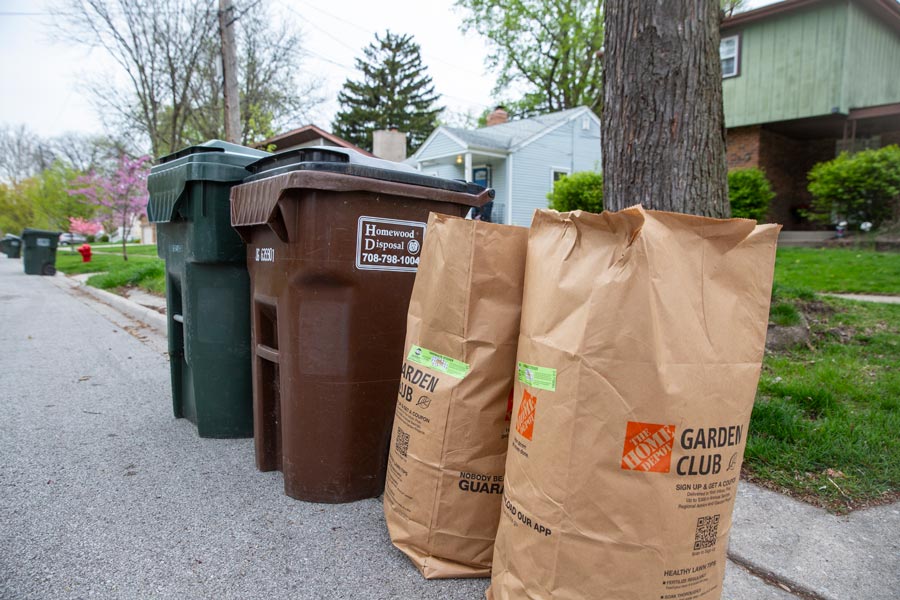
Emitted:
<point x="509" y="405"/>
<point x="525" y="417"/>
<point x="648" y="447"/>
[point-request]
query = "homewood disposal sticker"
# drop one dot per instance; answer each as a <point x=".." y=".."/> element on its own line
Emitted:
<point x="388" y="244"/>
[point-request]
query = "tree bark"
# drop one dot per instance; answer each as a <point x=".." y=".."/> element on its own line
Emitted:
<point x="663" y="122"/>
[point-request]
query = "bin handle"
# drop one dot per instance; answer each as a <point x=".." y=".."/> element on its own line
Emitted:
<point x="178" y="318"/>
<point x="267" y="353"/>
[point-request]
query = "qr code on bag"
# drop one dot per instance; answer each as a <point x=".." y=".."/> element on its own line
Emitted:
<point x="402" y="442"/>
<point x="707" y="532"/>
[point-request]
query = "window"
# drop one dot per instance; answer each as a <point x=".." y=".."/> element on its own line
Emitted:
<point x="557" y="173"/>
<point x="730" y="53"/>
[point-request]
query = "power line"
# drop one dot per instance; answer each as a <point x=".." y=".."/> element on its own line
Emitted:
<point x="341" y="19"/>
<point x="320" y="29"/>
<point x="451" y="64"/>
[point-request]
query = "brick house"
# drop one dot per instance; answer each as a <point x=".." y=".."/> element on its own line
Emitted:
<point x="803" y="80"/>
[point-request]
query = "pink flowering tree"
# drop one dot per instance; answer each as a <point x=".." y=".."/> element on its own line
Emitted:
<point x="121" y="195"/>
<point x="83" y="226"/>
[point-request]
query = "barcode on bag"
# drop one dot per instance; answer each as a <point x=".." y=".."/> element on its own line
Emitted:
<point x="707" y="532"/>
<point x="402" y="442"/>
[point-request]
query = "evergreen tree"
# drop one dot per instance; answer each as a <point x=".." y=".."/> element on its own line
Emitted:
<point x="395" y="93"/>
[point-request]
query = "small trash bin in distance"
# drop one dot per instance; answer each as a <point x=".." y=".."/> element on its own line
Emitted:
<point x="11" y="246"/>
<point x="207" y="287"/>
<point x="333" y="240"/>
<point x="39" y="247"/>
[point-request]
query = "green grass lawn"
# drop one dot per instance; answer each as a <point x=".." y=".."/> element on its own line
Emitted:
<point x="825" y="423"/>
<point x="143" y="271"/>
<point x="838" y="270"/>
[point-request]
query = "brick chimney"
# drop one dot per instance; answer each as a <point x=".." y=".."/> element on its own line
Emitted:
<point x="390" y="145"/>
<point x="497" y="117"/>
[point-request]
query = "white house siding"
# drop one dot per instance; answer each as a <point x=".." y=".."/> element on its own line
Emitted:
<point x="531" y="172"/>
<point x="441" y="145"/>
<point x="587" y="147"/>
<point x="568" y="147"/>
<point x="446" y="170"/>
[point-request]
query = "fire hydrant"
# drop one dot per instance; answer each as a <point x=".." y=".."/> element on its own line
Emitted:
<point x="85" y="251"/>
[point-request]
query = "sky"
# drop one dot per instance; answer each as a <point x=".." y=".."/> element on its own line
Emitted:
<point x="43" y="70"/>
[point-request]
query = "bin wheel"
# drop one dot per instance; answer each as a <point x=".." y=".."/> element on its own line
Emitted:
<point x="48" y="269"/>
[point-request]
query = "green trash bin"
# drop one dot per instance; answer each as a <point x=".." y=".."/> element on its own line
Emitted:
<point x="11" y="246"/>
<point x="39" y="247"/>
<point x="207" y="285"/>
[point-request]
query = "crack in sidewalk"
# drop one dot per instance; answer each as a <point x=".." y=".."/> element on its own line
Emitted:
<point x="775" y="580"/>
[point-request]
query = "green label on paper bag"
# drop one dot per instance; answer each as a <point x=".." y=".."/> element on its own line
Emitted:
<point x="534" y="376"/>
<point x="438" y="362"/>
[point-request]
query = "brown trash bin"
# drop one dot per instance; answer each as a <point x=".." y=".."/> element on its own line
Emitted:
<point x="333" y="239"/>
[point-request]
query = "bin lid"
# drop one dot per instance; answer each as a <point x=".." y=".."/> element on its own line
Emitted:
<point x="40" y="233"/>
<point x="214" y="160"/>
<point x="350" y="162"/>
<point x="10" y="236"/>
<point x="255" y="201"/>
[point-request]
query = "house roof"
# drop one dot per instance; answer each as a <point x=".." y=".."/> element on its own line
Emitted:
<point x="507" y="136"/>
<point x="888" y="10"/>
<point x="511" y="134"/>
<point x="307" y="133"/>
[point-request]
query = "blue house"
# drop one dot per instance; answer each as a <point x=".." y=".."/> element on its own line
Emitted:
<point x="519" y="159"/>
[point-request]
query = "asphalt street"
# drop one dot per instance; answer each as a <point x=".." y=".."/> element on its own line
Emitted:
<point x="104" y="494"/>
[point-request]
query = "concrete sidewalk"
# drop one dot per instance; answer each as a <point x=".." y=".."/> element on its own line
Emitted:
<point x="810" y="550"/>
<point x="104" y="494"/>
<point x="867" y="297"/>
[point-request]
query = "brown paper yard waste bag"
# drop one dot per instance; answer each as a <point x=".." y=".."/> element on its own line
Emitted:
<point x="445" y="466"/>
<point x="641" y="341"/>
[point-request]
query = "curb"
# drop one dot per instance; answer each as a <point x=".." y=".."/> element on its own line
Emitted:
<point x="130" y="309"/>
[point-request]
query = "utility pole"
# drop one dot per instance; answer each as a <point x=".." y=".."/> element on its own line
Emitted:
<point x="229" y="72"/>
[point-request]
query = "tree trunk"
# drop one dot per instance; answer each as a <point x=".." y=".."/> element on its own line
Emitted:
<point x="663" y="123"/>
<point x="125" y="237"/>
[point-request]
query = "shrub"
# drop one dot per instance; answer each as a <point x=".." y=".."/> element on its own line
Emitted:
<point x="578" y="191"/>
<point x="749" y="193"/>
<point x="857" y="187"/>
<point x="91" y="239"/>
<point x="104" y="238"/>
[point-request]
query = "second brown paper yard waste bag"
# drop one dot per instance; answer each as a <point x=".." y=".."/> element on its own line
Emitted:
<point x="448" y="447"/>
<point x="642" y="337"/>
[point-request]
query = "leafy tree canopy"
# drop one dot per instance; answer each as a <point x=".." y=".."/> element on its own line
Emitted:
<point x="549" y="48"/>
<point x="42" y="201"/>
<point x="120" y="195"/>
